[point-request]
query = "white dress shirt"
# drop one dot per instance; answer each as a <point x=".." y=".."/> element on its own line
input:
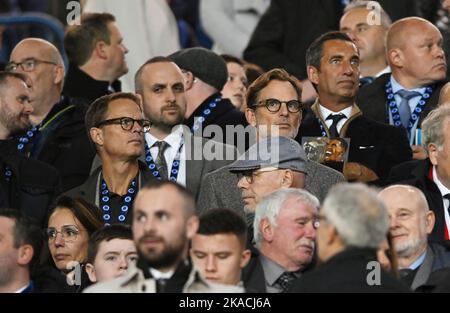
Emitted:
<point x="174" y="141"/>
<point x="325" y="113"/>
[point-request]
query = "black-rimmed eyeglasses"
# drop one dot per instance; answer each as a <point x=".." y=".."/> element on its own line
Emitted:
<point x="28" y="65"/>
<point x="127" y="123"/>
<point x="274" y="105"/>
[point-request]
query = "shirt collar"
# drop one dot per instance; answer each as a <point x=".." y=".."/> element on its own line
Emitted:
<point x="272" y="271"/>
<point x="386" y="70"/>
<point x="444" y="190"/>
<point x="325" y="112"/>
<point x="396" y="87"/>
<point x="160" y="275"/>
<point x="418" y="262"/>
<point x="173" y="139"/>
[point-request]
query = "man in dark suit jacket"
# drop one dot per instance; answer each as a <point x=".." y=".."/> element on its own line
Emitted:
<point x="415" y="82"/>
<point x="116" y="128"/>
<point x="333" y="67"/>
<point x="432" y="175"/>
<point x="411" y="221"/>
<point x="26" y="184"/>
<point x="160" y="83"/>
<point x="348" y="237"/>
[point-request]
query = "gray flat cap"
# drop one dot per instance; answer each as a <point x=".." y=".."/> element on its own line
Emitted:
<point x="279" y="152"/>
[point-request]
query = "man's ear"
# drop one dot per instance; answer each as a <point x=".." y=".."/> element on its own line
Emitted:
<point x="395" y="57"/>
<point x="245" y="258"/>
<point x="287" y="180"/>
<point x="59" y="74"/>
<point x="192" y="226"/>
<point x="266" y="229"/>
<point x="25" y="255"/>
<point x="188" y="80"/>
<point x="250" y="115"/>
<point x="431" y="219"/>
<point x="313" y="74"/>
<point x="96" y="135"/>
<point x="433" y="151"/>
<point x="101" y="50"/>
<point x="90" y="270"/>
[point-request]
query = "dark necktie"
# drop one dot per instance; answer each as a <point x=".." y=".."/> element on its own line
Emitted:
<point x="285" y="281"/>
<point x="333" y="128"/>
<point x="160" y="161"/>
<point x="405" y="272"/>
<point x="161" y="285"/>
<point x="403" y="108"/>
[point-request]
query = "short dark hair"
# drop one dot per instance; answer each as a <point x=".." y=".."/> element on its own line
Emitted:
<point x="223" y="221"/>
<point x="80" y="40"/>
<point x="232" y="59"/>
<point x="189" y="206"/>
<point x="97" y="110"/>
<point x="314" y="53"/>
<point x="262" y="81"/>
<point x="137" y="77"/>
<point x="107" y="233"/>
<point x="25" y="232"/>
<point x="87" y="213"/>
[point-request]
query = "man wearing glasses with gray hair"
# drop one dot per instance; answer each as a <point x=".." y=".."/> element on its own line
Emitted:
<point x="116" y="127"/>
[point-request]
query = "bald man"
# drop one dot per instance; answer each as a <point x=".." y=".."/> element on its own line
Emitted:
<point x="405" y="97"/>
<point x="444" y="95"/>
<point x="411" y="221"/>
<point x="57" y="135"/>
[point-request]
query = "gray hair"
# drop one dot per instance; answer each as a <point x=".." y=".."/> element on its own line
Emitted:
<point x="386" y="20"/>
<point x="433" y="126"/>
<point x="359" y="216"/>
<point x="270" y="207"/>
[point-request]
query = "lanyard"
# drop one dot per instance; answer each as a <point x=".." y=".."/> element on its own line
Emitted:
<point x="175" y="164"/>
<point x="393" y="107"/>
<point x="206" y="112"/>
<point x="127" y="201"/>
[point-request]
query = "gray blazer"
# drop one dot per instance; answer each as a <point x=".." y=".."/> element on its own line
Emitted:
<point x="219" y="188"/>
<point x="436" y="258"/>
<point x="197" y="163"/>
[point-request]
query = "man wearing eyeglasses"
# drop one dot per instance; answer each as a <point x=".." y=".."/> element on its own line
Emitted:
<point x="273" y="110"/>
<point x="333" y="67"/>
<point x="116" y="127"/>
<point x="57" y="135"/>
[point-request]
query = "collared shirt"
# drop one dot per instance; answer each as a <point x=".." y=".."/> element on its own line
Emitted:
<point x="174" y="141"/>
<point x="325" y="113"/>
<point x="20" y="290"/>
<point x="272" y="271"/>
<point x="160" y="275"/>
<point x="418" y="262"/>
<point x="386" y="70"/>
<point x="444" y="191"/>
<point x="412" y="104"/>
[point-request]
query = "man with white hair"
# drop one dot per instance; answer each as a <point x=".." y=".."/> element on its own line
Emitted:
<point x="353" y="224"/>
<point x="284" y="231"/>
<point x="411" y="221"/>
